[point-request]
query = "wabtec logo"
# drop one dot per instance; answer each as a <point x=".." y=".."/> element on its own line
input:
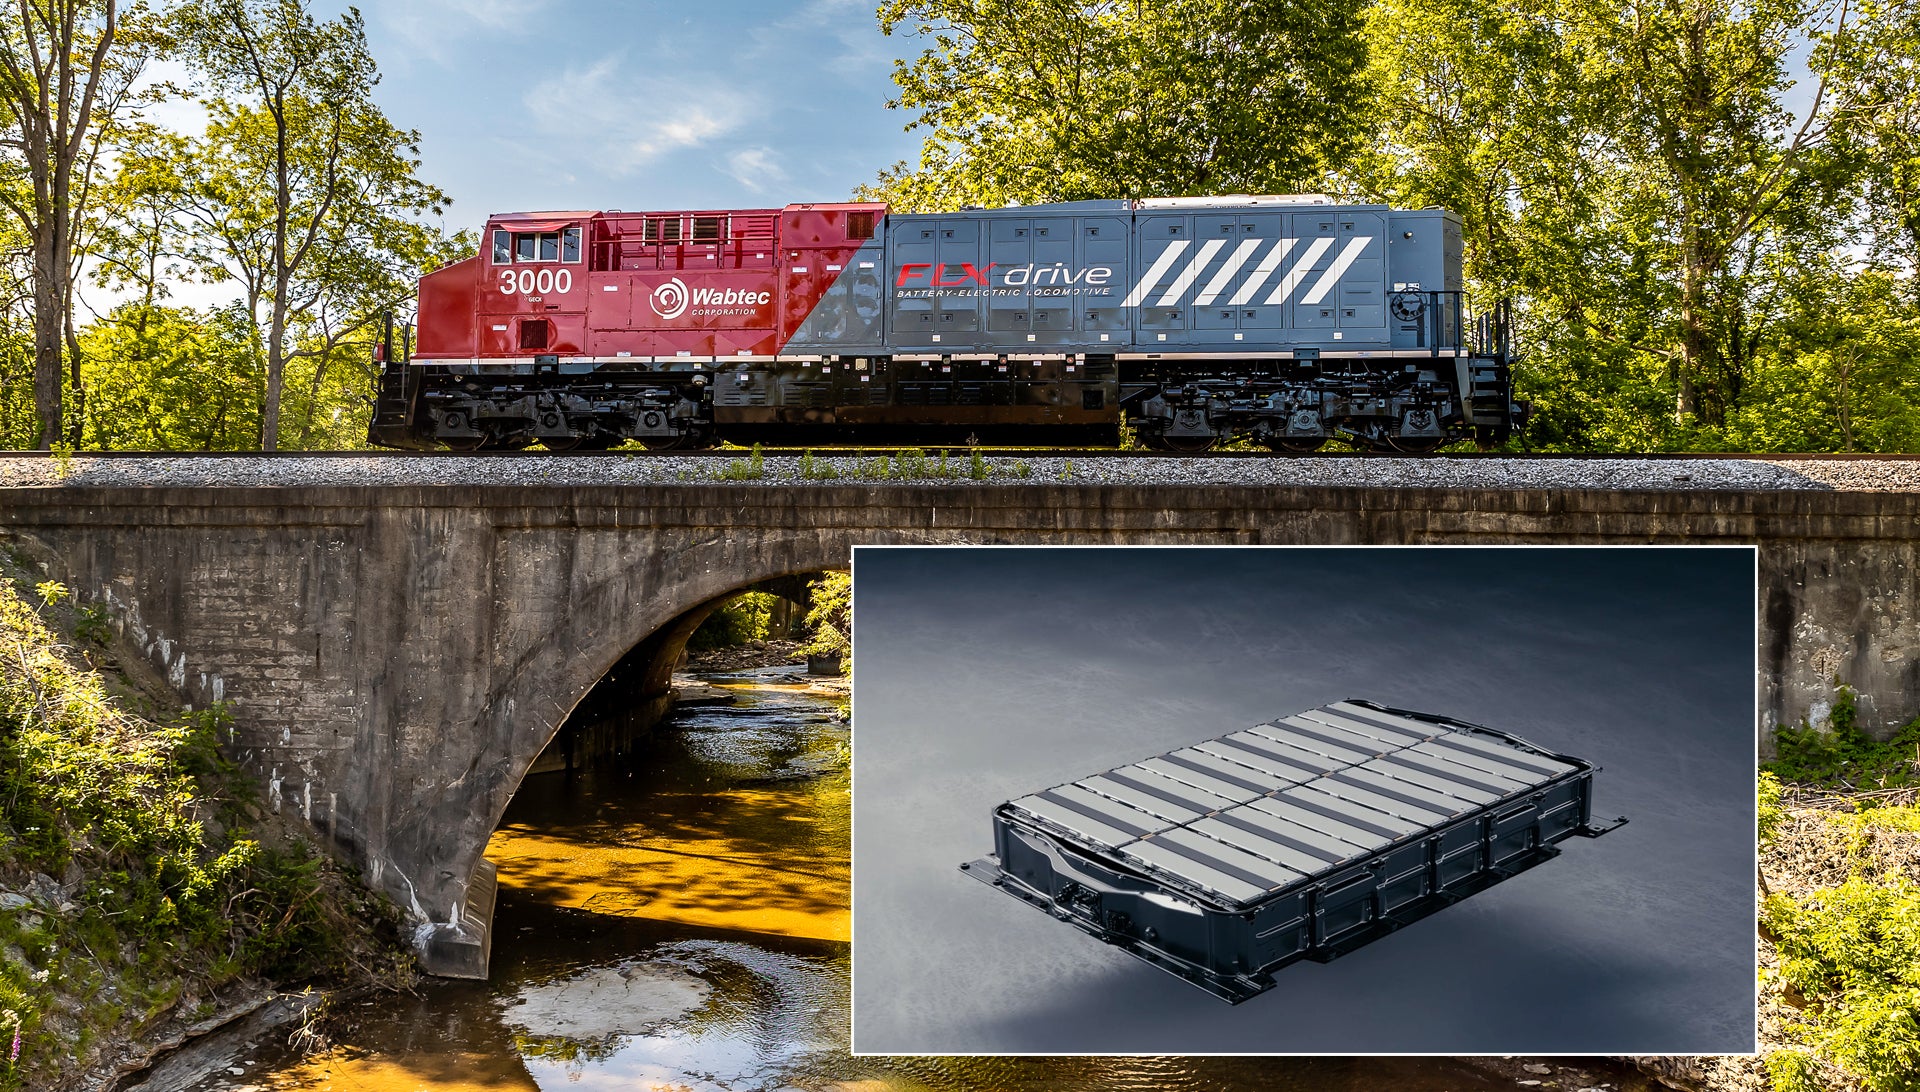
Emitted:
<point x="671" y="299"/>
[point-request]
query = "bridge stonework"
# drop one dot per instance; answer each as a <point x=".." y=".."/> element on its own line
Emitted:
<point x="395" y="658"/>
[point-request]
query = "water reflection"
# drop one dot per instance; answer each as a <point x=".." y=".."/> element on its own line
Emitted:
<point x="684" y="926"/>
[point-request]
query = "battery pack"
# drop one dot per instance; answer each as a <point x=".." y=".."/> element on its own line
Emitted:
<point x="1302" y="838"/>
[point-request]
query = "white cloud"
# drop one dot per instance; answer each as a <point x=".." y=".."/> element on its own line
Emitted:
<point x="627" y="115"/>
<point x="755" y="168"/>
<point x="843" y="35"/>
<point x="432" y="27"/>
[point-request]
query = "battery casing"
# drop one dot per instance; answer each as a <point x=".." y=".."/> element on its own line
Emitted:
<point x="1302" y="838"/>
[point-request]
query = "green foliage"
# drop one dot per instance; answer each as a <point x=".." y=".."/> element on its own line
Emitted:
<point x="829" y="619"/>
<point x="743" y="618"/>
<point x="752" y="468"/>
<point x="145" y="821"/>
<point x="1772" y="814"/>
<point x="1677" y="238"/>
<point x="1853" y="951"/>
<point x="812" y="469"/>
<point x="1839" y="754"/>
<point x="1792" y="1071"/>
<point x="1064" y="99"/>
<point x="174" y="379"/>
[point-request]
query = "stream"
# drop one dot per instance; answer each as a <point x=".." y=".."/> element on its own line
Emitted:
<point x="683" y="924"/>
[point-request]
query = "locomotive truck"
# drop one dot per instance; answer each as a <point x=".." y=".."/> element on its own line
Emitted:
<point x="1286" y="320"/>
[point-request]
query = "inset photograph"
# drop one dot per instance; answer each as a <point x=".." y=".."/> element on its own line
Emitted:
<point x="1479" y="800"/>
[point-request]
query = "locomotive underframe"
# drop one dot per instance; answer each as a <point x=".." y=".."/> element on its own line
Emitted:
<point x="1293" y="403"/>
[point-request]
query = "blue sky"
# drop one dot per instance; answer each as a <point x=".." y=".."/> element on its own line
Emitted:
<point x="547" y="104"/>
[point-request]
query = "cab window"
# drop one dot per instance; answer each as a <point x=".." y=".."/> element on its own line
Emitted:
<point x="536" y="246"/>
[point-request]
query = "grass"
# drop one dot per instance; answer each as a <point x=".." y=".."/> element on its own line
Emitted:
<point x="147" y="879"/>
<point x="1839" y="833"/>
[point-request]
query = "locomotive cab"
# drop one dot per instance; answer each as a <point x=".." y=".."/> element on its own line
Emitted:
<point x="533" y="290"/>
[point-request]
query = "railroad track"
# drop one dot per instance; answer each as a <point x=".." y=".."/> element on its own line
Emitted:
<point x="963" y="451"/>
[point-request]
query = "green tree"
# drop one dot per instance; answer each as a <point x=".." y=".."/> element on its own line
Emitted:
<point x="301" y="189"/>
<point x="1039" y="100"/>
<point x="171" y="379"/>
<point x="1631" y="172"/>
<point x="67" y="74"/>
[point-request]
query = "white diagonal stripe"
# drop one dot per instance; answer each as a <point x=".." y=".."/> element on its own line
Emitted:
<point x="1262" y="271"/>
<point x="1151" y="279"/>
<point x="1187" y="276"/>
<point x="1332" y="276"/>
<point x="1221" y="279"/>
<point x="1299" y="271"/>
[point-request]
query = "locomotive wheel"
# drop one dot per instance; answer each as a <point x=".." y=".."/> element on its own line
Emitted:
<point x="1415" y="445"/>
<point x="1297" y="445"/>
<point x="1181" y="445"/>
<point x="578" y="443"/>
<point x="464" y="443"/>
<point x="682" y="442"/>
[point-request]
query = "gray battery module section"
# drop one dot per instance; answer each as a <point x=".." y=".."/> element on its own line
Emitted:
<point x="1302" y="838"/>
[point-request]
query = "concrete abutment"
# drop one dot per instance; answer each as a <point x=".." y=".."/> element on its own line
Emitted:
<point x="395" y="658"/>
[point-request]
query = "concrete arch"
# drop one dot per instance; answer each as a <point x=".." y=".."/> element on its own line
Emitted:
<point x="660" y="597"/>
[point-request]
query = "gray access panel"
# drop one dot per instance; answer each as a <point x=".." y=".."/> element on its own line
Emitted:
<point x="1301" y="838"/>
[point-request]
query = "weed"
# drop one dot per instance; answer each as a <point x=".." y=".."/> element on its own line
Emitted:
<point x="62" y="460"/>
<point x="812" y="469"/>
<point x="1840" y="755"/>
<point x="753" y="468"/>
<point x="93" y="625"/>
<point x="977" y="467"/>
<point x="1021" y="469"/>
<point x="1853" y="951"/>
<point x="1772" y="814"/>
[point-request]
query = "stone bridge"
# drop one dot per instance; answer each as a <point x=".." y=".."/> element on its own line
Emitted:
<point x="396" y="657"/>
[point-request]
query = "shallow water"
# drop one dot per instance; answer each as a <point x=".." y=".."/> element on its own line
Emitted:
<point x="683" y="925"/>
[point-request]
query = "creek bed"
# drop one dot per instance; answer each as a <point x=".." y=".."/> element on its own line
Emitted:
<point x="683" y="924"/>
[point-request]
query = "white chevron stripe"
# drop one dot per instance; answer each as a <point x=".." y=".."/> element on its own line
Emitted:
<point x="1332" y="276"/>
<point x="1299" y="271"/>
<point x="1221" y="279"/>
<point x="1151" y="279"/>
<point x="1262" y="271"/>
<point x="1188" y="275"/>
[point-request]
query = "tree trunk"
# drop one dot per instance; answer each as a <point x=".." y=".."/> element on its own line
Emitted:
<point x="276" y="374"/>
<point x="46" y="355"/>
<point x="49" y="296"/>
<point x="77" y="414"/>
<point x="1686" y="401"/>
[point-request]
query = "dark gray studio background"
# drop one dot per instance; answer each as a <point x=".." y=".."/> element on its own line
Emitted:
<point x="987" y="673"/>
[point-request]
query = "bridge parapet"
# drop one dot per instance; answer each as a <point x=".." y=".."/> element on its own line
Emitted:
<point x="395" y="657"/>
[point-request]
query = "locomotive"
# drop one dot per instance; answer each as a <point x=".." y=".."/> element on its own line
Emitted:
<point x="1285" y="320"/>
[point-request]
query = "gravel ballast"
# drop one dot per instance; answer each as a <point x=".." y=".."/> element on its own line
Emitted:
<point x="1666" y="474"/>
